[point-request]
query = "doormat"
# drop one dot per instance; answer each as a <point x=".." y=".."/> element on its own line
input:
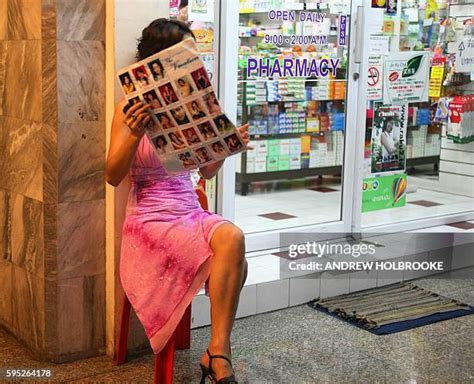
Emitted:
<point x="393" y="308"/>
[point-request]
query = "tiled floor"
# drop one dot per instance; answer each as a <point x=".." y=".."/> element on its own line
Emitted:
<point x="446" y="203"/>
<point x="301" y="345"/>
<point x="312" y="207"/>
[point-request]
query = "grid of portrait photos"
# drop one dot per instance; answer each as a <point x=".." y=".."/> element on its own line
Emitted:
<point x="189" y="129"/>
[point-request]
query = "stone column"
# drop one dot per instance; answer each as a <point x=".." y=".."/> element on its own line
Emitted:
<point x="52" y="196"/>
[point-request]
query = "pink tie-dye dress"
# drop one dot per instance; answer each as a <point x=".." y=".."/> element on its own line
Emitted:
<point x="165" y="254"/>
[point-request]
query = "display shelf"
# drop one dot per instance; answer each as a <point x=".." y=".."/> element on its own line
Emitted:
<point x="269" y="136"/>
<point x="292" y="101"/>
<point x="244" y="179"/>
<point x="292" y="104"/>
<point x="422" y="160"/>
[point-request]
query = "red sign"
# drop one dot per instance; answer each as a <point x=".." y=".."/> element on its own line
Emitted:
<point x="393" y="76"/>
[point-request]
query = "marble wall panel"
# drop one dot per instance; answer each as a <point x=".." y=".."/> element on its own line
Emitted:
<point x="52" y="155"/>
<point x="3" y="19"/>
<point x="81" y="161"/>
<point x="51" y="318"/>
<point x="81" y="317"/>
<point x="50" y="214"/>
<point x="6" y="272"/>
<point x="3" y="58"/>
<point x="94" y="287"/>
<point x="50" y="164"/>
<point x="28" y="308"/>
<point x="5" y="226"/>
<point x="23" y="19"/>
<point x="27" y="234"/>
<point x="48" y="19"/>
<point x="81" y="81"/>
<point x="22" y="157"/>
<point x="137" y="340"/>
<point x="22" y="80"/>
<point x="49" y="84"/>
<point x="3" y="146"/>
<point x="81" y="19"/>
<point x="71" y="315"/>
<point x="81" y="239"/>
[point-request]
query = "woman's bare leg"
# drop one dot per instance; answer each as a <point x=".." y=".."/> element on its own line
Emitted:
<point x="227" y="277"/>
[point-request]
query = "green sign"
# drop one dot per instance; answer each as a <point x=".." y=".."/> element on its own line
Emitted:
<point x="384" y="192"/>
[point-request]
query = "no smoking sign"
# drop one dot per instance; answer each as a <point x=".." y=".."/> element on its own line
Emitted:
<point x="374" y="78"/>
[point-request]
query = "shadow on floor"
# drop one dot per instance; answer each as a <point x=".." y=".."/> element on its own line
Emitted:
<point x="301" y="345"/>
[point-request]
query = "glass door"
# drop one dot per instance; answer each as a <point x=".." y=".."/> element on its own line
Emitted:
<point x="203" y="19"/>
<point x="286" y="74"/>
<point x="416" y="106"/>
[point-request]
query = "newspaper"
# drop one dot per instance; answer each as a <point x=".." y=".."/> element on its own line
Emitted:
<point x="189" y="129"/>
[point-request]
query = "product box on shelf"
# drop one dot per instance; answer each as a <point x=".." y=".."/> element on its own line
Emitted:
<point x="250" y="166"/>
<point x="305" y="144"/>
<point x="295" y="146"/>
<point x="284" y="163"/>
<point x="337" y="121"/>
<point x="330" y="158"/>
<point x="423" y="116"/>
<point x="273" y="147"/>
<point x="324" y="122"/>
<point x="295" y="161"/>
<point x="313" y="158"/>
<point x="432" y="145"/>
<point x="339" y="90"/>
<point x="312" y="124"/>
<point x="305" y="159"/>
<point x="412" y="115"/>
<point x="272" y="163"/>
<point x="261" y="147"/>
<point x="339" y="157"/>
<point x="260" y="165"/>
<point x="461" y="119"/>
<point x="284" y="147"/>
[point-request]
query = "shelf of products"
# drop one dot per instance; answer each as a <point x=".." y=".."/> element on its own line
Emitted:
<point x="441" y="129"/>
<point x="296" y="123"/>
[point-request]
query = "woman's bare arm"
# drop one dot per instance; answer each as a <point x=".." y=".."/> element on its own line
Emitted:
<point x="209" y="171"/>
<point x="126" y="134"/>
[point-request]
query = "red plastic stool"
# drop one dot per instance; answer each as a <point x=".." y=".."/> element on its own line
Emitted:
<point x="164" y="361"/>
<point x="181" y="339"/>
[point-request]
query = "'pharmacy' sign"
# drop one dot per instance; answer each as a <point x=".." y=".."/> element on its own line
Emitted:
<point x="292" y="67"/>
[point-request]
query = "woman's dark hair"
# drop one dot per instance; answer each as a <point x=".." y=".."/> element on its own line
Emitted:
<point x="159" y="35"/>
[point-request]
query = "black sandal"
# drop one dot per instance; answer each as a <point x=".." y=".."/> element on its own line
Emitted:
<point x="208" y="372"/>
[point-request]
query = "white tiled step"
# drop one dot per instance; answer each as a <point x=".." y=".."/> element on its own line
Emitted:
<point x="266" y="291"/>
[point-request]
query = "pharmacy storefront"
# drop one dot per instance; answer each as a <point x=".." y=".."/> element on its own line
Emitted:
<point x="360" y="113"/>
